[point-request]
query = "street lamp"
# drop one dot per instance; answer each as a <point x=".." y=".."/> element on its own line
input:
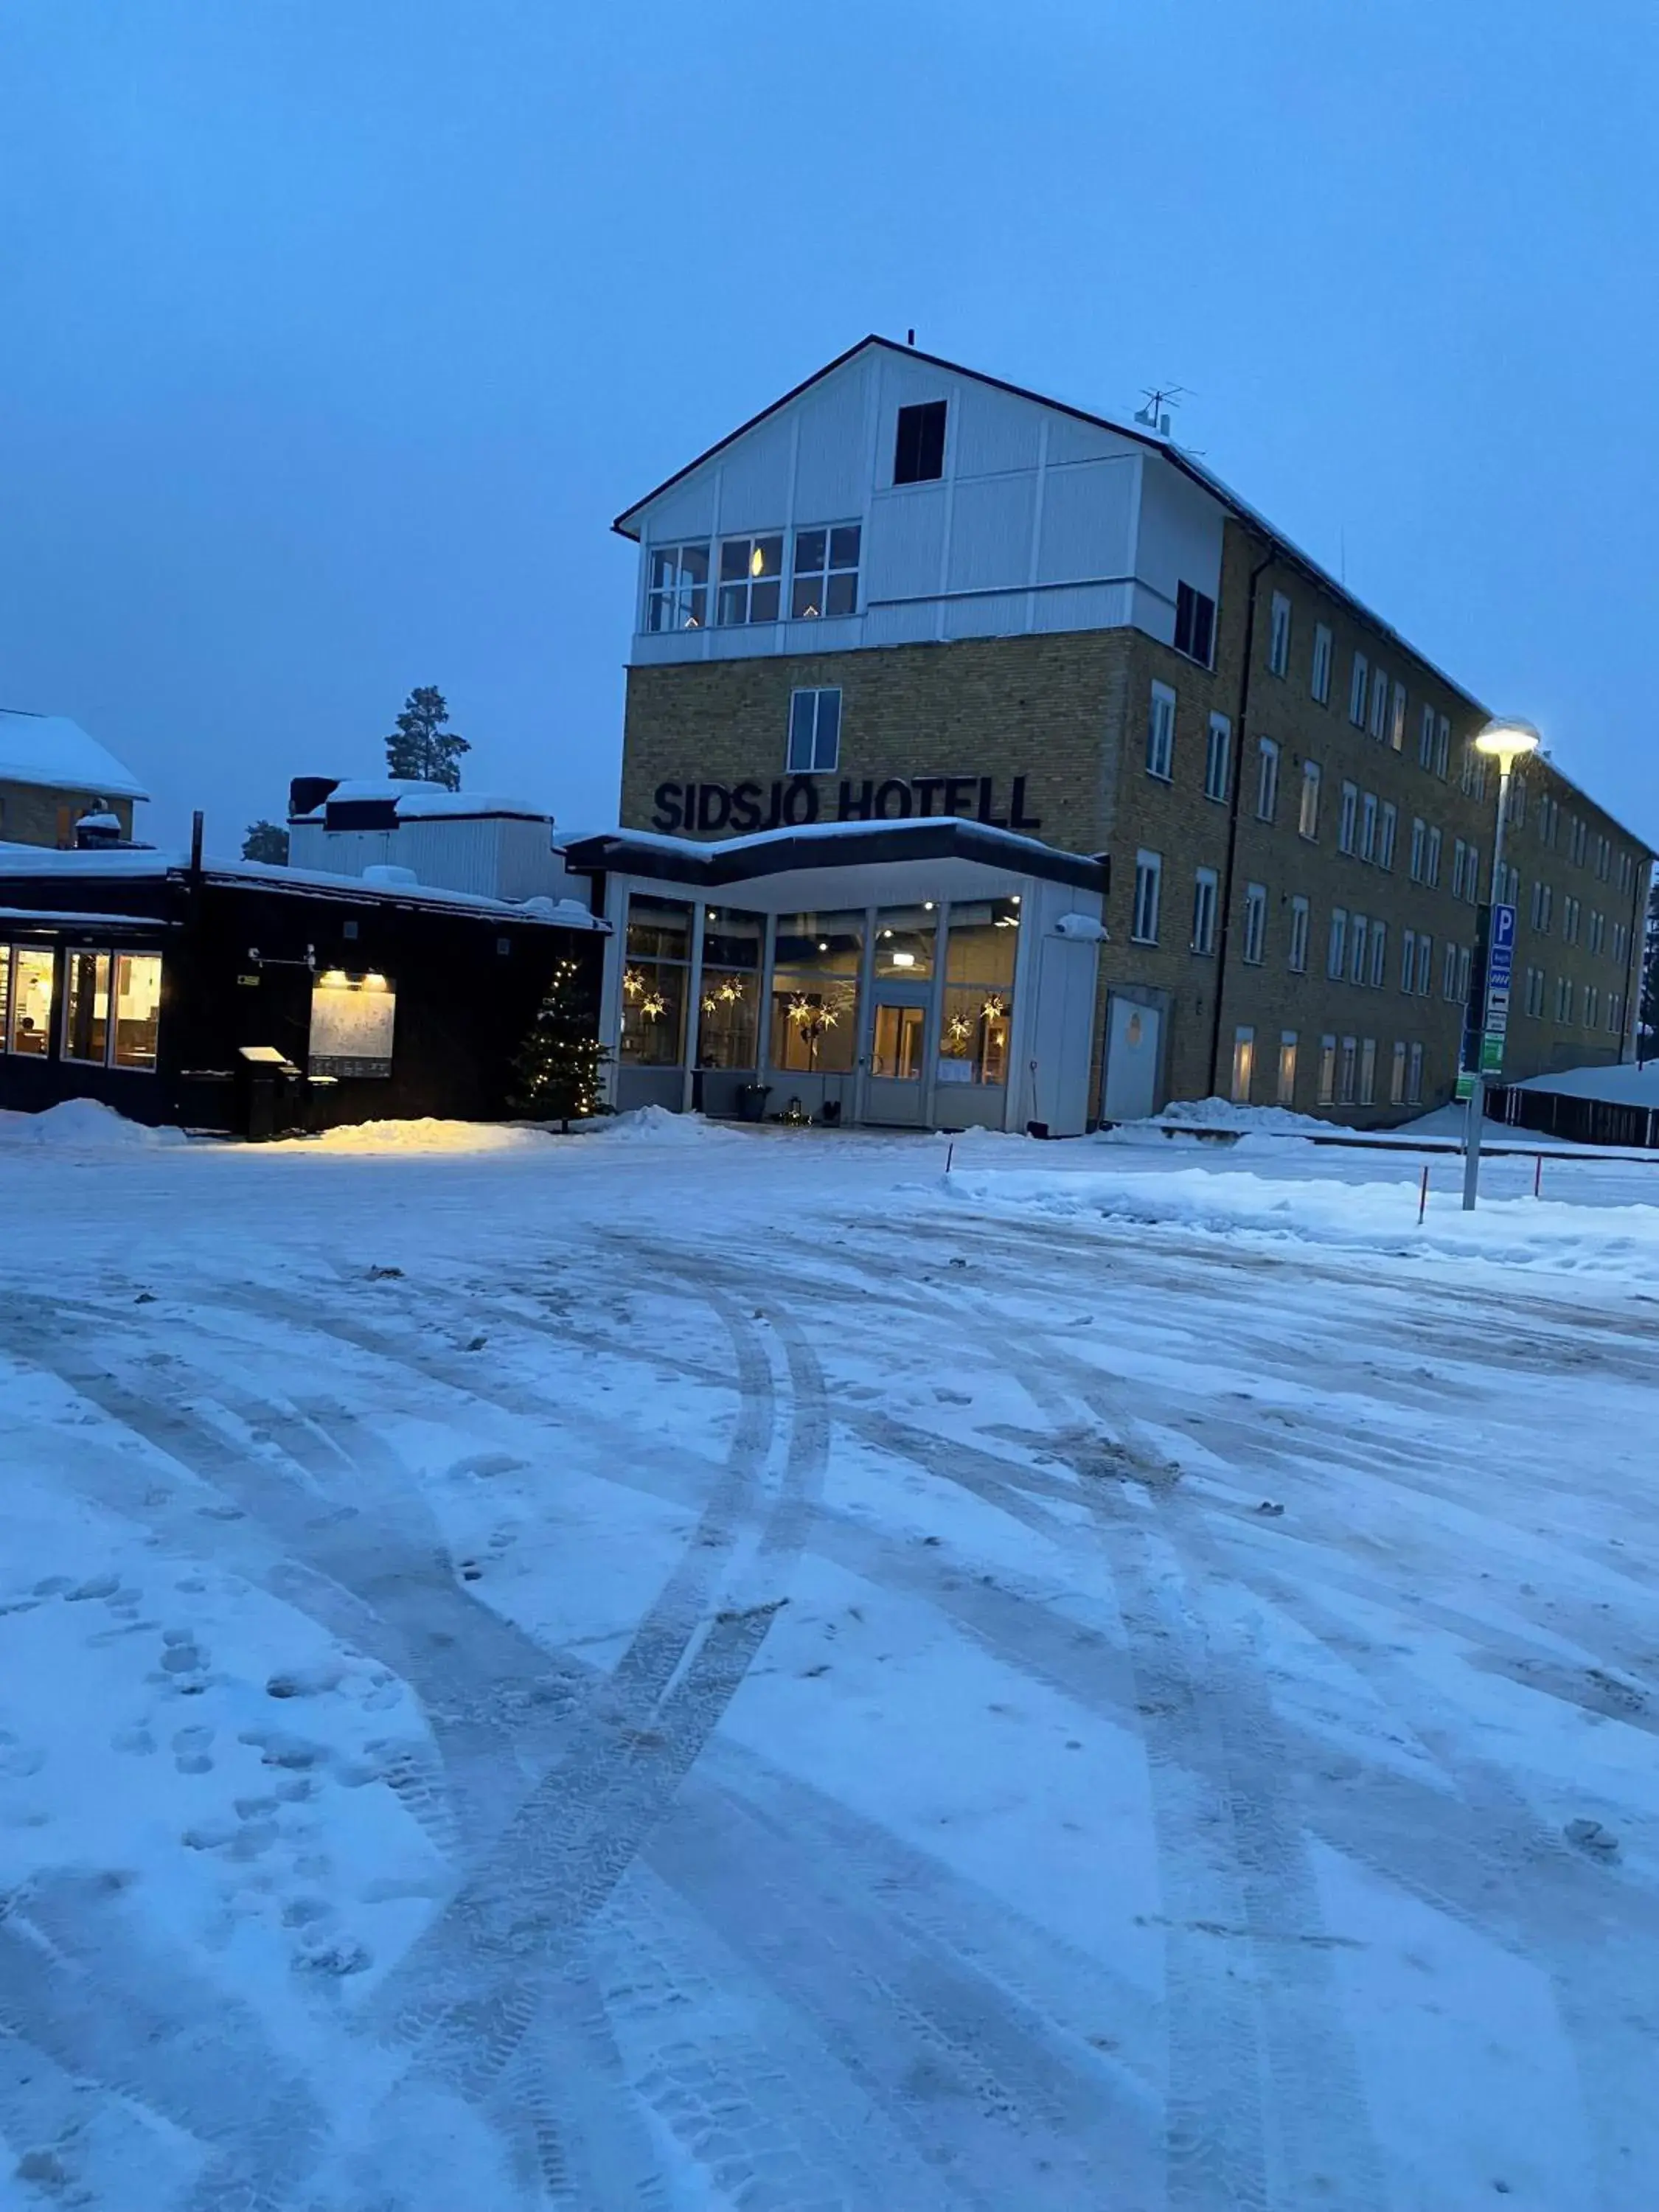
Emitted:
<point x="1506" y="742"/>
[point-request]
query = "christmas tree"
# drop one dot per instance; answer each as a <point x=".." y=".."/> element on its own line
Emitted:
<point x="559" y="1072"/>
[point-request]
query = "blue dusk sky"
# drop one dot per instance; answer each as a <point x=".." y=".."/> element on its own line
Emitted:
<point x="336" y="332"/>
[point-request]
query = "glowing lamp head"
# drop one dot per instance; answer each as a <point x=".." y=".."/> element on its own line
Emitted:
<point x="1507" y="741"/>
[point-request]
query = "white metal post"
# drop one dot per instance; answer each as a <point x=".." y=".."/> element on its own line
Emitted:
<point x="1477" y="1106"/>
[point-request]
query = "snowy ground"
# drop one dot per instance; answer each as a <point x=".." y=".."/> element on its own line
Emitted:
<point x="711" y="1670"/>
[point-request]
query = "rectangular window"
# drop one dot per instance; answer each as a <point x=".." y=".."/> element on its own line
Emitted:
<point x="1449" y="971"/>
<point x="1580" y="829"/>
<point x="1530" y="999"/>
<point x="1346" y="1068"/>
<point x="1149" y="875"/>
<point x="728" y="1018"/>
<point x="1336" y="955"/>
<point x="1347" y="820"/>
<point x="1298" y="959"/>
<point x="1515" y="815"/>
<point x="1432" y="865"/>
<point x="1359" y="948"/>
<point x="1419" y="835"/>
<point x="1308" y="816"/>
<point x="814" y="746"/>
<point x="1358" y="690"/>
<point x="1570" y="921"/>
<point x="1592" y="1005"/>
<point x="29" y="1015"/>
<point x="1546" y="907"/>
<point x="814" y="1022"/>
<point x="1425" y="738"/>
<point x="1564" y="998"/>
<point x="1598" y="930"/>
<point x="656" y="969"/>
<point x="1620" y="938"/>
<point x="919" y="444"/>
<point x="1460" y="854"/>
<point x="1464" y="961"/>
<point x="1278" y="643"/>
<point x="1397" y="1077"/>
<point x="1218" y="758"/>
<point x="1195" y="624"/>
<point x="138" y="1009"/>
<point x="1385" y="835"/>
<point x="1160" y="733"/>
<point x="826" y="574"/>
<point x="1469" y="758"/>
<point x="1425" y="965"/>
<point x="1472" y="876"/>
<point x="1397" y="720"/>
<point x="1368" y="827"/>
<point x="1266" y="780"/>
<point x="353" y="1022"/>
<point x="1320" y="682"/>
<point x="1379" y="954"/>
<point x="1287" y="1067"/>
<point x="677" y="587"/>
<point x="1443" y="747"/>
<point x="1367" y="1071"/>
<point x="1379" y="705"/>
<point x="1408" y="961"/>
<point x="1328" y="1071"/>
<point x="978" y="992"/>
<point x="1204" y="911"/>
<point x="1414" y="1076"/>
<point x="1244" y="1064"/>
<point x="1256" y="922"/>
<point x="751" y="579"/>
<point x="86" y="1007"/>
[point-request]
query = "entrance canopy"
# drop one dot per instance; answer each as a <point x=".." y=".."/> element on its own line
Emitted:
<point x="929" y="972"/>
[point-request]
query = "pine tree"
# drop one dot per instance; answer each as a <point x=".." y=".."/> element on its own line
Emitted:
<point x="266" y="841"/>
<point x="420" y="749"/>
<point x="559" y="1072"/>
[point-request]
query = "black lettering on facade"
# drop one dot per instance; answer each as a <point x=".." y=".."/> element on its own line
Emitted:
<point x="1017" y="818"/>
<point x="746" y="808"/>
<point x="853" y="807"/>
<point x="800" y="804"/>
<point x="958" y="794"/>
<point x="896" y="790"/>
<point x="988" y="812"/>
<point x="667" y="818"/>
<point x="714" y="807"/>
<point x="923" y="789"/>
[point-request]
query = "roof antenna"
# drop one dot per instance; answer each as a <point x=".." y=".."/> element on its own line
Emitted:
<point x="1153" y="415"/>
<point x="909" y="338"/>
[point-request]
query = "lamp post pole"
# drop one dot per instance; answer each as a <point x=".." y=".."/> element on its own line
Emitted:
<point x="1477" y="1105"/>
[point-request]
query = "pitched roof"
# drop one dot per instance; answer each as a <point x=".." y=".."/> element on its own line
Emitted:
<point x="1184" y="462"/>
<point x="50" y="750"/>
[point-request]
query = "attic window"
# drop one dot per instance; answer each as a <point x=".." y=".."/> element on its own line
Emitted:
<point x="1194" y="623"/>
<point x="919" y="448"/>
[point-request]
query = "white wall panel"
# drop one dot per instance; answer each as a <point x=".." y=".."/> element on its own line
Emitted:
<point x="994" y="614"/>
<point x="1083" y="606"/>
<point x="991" y="520"/>
<point x="901" y="622"/>
<point x="1179" y="538"/>
<point x="832" y="462"/>
<point x="755" y="479"/>
<point x="994" y="432"/>
<point x="1088" y="521"/>
<point x="686" y="512"/>
<point x="1071" y="441"/>
<point x="906" y="539"/>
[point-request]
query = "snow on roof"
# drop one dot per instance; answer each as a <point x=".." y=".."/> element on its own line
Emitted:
<point x="425" y="802"/>
<point x="148" y="863"/>
<point x="51" y="750"/>
<point x="1622" y="1083"/>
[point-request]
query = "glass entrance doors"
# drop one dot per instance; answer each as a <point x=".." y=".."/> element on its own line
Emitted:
<point x="902" y="1015"/>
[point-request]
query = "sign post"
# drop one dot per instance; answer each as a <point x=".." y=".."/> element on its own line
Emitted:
<point x="1486" y="1026"/>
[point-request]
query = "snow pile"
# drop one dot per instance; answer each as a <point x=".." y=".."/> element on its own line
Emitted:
<point x="1222" y="1117"/>
<point x="84" y="1125"/>
<point x="655" y="1124"/>
<point x="1621" y="1241"/>
<point x="427" y="1136"/>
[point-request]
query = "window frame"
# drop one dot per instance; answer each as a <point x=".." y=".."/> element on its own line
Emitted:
<point x="827" y="571"/>
<point x="1347" y="818"/>
<point x="1319" y="677"/>
<point x="1205" y="889"/>
<point x="681" y="594"/>
<point x="1218" y="787"/>
<point x="921" y="416"/>
<point x="818" y="693"/>
<point x="1307" y="815"/>
<point x="1336" y="947"/>
<point x="1161" y="696"/>
<point x="750" y="582"/>
<point x="1149" y="865"/>
<point x="1278" y="638"/>
<point x="1359" y="677"/>
<point x="1256" y="925"/>
<point x="1194" y="613"/>
<point x="1267" y="779"/>
<point x="1243" y="1066"/>
<point x="1297" y="953"/>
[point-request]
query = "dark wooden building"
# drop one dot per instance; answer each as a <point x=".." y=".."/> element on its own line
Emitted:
<point x="215" y="995"/>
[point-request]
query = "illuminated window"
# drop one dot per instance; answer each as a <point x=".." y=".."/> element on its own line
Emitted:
<point x="1287" y="1067"/>
<point x="676" y="594"/>
<point x="1326" y="1071"/>
<point x="815" y="992"/>
<point x="728" y="1015"/>
<point x="86" y="1007"/>
<point x="137" y="1008"/>
<point x="1244" y="1064"/>
<point x="826" y="574"/>
<point x="751" y="579"/>
<point x="28" y="1026"/>
<point x="979" y="950"/>
<point x="656" y="965"/>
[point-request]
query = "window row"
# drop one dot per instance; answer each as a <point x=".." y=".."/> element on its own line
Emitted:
<point x="749" y="579"/>
<point x="1346" y="1073"/>
<point x="1542" y="914"/>
<point x="1377" y="703"/>
<point x="1589" y="997"/>
<point x="109" y="1004"/>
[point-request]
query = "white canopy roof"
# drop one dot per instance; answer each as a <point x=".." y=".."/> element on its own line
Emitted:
<point x="51" y="750"/>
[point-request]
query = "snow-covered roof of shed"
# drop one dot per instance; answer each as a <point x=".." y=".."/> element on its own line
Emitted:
<point x="426" y="802"/>
<point x="51" y="751"/>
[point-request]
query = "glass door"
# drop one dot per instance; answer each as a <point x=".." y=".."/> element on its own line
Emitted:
<point x="902" y="955"/>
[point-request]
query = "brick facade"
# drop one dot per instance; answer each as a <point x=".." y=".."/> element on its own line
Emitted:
<point x="1067" y="714"/>
<point x="34" y="814"/>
